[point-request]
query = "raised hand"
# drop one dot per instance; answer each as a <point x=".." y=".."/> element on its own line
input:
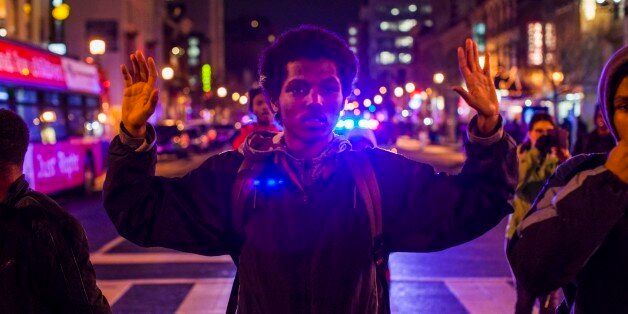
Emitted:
<point x="140" y="94"/>
<point x="480" y="93"/>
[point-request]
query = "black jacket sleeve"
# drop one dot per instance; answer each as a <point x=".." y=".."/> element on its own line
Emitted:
<point x="189" y="214"/>
<point x="427" y="211"/>
<point x="567" y="223"/>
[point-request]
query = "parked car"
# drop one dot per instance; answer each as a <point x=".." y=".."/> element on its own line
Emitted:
<point x="171" y="141"/>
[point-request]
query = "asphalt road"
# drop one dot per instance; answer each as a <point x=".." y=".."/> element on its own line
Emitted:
<point x="471" y="278"/>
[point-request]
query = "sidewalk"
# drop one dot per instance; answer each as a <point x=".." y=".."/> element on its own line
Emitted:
<point x="447" y="158"/>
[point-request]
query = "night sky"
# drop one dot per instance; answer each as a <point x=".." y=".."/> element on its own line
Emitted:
<point x="283" y="14"/>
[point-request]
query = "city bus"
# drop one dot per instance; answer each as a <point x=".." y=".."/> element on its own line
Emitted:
<point x="60" y="100"/>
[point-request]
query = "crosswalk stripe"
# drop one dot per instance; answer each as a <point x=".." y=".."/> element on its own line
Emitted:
<point x="210" y="295"/>
<point x="114" y="290"/>
<point x="207" y="297"/>
<point x="155" y="258"/>
<point x="483" y="296"/>
<point x="110" y="245"/>
<point x="450" y="279"/>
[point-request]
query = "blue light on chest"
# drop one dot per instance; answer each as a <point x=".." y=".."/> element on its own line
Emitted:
<point x="268" y="182"/>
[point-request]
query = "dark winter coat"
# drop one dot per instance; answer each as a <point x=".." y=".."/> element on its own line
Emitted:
<point x="576" y="234"/>
<point x="44" y="258"/>
<point x="307" y="244"/>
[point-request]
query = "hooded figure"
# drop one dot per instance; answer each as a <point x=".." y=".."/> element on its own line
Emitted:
<point x="576" y="234"/>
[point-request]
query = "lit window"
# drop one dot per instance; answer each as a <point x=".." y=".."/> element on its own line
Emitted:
<point x="394" y="11"/>
<point x="353" y="31"/>
<point x="407" y="25"/>
<point x="405" y="58"/>
<point x="384" y="26"/>
<point x="405" y="41"/>
<point x="589" y="8"/>
<point x="535" y="43"/>
<point x="412" y="8"/>
<point x="428" y="23"/>
<point x="550" y="43"/>
<point x="352" y="41"/>
<point x="386" y="57"/>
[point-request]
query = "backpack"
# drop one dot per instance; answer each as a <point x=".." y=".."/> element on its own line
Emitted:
<point x="368" y="188"/>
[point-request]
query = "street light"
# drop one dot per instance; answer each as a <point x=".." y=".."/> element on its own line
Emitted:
<point x="398" y="91"/>
<point x="558" y="77"/>
<point x="378" y="99"/>
<point x="221" y="92"/>
<point x="61" y="12"/>
<point x="439" y="78"/>
<point x="97" y="47"/>
<point x="410" y="87"/>
<point x="243" y="100"/>
<point x="167" y="73"/>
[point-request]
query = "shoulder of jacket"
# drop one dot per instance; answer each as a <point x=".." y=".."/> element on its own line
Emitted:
<point x="577" y="164"/>
<point x="40" y="211"/>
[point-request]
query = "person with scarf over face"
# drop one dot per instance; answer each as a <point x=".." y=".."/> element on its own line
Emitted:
<point x="576" y="234"/>
<point x="304" y="241"/>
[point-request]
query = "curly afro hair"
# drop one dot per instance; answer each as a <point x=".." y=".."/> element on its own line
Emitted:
<point x="13" y="139"/>
<point x="305" y="42"/>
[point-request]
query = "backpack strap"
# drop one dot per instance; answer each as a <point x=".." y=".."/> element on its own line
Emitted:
<point x="366" y="182"/>
<point x="243" y="187"/>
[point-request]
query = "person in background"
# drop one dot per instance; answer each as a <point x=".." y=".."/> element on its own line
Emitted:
<point x="600" y="140"/>
<point x="576" y="234"/>
<point x="44" y="257"/>
<point x="516" y="128"/>
<point x="265" y="117"/>
<point x="538" y="159"/>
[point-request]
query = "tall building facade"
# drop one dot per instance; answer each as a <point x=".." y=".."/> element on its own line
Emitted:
<point x="124" y="26"/>
<point x="194" y="48"/>
<point x="545" y="54"/>
<point x="390" y="44"/>
<point x="25" y="20"/>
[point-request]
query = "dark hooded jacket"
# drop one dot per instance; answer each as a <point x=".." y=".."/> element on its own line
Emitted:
<point x="44" y="258"/>
<point x="307" y="246"/>
<point x="576" y="234"/>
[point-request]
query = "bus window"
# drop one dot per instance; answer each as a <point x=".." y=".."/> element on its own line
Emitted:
<point x="91" y="101"/>
<point x="52" y="99"/>
<point x="4" y="98"/>
<point x="24" y="96"/>
<point x="75" y="100"/>
<point x="58" y="123"/>
<point x="30" y="114"/>
<point x="76" y="121"/>
<point x="4" y="95"/>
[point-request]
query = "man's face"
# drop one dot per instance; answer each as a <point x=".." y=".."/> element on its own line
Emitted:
<point x="539" y="129"/>
<point x="620" y="118"/>
<point x="599" y="121"/>
<point x="310" y="100"/>
<point x="261" y="109"/>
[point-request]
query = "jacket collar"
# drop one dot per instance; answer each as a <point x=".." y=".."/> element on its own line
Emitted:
<point x="16" y="191"/>
<point x="303" y="172"/>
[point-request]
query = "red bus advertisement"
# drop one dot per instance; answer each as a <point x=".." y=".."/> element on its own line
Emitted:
<point x="59" y="98"/>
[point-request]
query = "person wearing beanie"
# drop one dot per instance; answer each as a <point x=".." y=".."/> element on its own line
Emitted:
<point x="576" y="234"/>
